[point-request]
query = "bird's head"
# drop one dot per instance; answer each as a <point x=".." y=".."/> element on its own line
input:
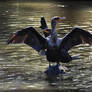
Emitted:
<point x="56" y="20"/>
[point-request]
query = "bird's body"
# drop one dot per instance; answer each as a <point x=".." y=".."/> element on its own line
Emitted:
<point x="57" y="43"/>
<point x="56" y="48"/>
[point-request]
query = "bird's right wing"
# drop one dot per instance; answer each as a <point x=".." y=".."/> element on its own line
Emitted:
<point x="30" y="37"/>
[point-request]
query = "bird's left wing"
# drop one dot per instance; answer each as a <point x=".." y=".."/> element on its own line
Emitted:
<point x="30" y="37"/>
<point x="75" y="37"/>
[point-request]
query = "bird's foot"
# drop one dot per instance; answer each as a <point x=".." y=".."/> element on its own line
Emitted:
<point x="55" y="70"/>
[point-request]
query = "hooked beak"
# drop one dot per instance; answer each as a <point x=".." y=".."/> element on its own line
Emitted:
<point x="47" y="30"/>
<point x="60" y="19"/>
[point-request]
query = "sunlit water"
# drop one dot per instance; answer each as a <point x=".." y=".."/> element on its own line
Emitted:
<point x="22" y="68"/>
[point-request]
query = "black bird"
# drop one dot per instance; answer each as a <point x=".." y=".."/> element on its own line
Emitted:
<point x="56" y="48"/>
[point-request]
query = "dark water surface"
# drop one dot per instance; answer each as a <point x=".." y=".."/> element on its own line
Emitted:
<point x="22" y="68"/>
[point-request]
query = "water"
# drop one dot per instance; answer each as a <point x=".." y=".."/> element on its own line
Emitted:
<point x="22" y="68"/>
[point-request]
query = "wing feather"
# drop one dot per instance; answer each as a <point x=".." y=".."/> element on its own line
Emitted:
<point x="75" y="37"/>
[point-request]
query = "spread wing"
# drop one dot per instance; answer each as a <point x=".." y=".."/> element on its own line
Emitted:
<point x="75" y="37"/>
<point x="30" y="37"/>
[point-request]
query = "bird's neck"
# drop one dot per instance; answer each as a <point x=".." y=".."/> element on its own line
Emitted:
<point x="53" y="33"/>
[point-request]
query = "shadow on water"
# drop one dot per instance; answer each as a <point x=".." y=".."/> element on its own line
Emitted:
<point x="22" y="68"/>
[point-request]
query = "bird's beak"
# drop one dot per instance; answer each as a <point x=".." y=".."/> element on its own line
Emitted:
<point x="60" y="19"/>
<point x="46" y="31"/>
